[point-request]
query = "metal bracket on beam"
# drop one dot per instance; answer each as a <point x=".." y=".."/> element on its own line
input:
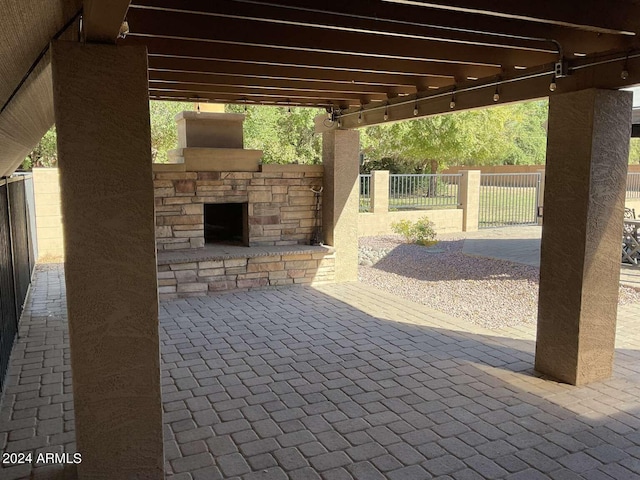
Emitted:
<point x="561" y="69"/>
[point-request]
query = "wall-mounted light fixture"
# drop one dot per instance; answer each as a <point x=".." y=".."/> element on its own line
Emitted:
<point x="124" y="29"/>
<point x="624" y="74"/>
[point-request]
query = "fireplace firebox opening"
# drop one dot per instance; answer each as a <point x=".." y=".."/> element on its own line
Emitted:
<point x="226" y="223"/>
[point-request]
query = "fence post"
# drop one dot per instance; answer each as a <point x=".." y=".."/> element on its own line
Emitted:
<point x="469" y="199"/>
<point x="540" y="196"/>
<point x="379" y="191"/>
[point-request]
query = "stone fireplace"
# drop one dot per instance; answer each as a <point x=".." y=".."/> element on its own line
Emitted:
<point x="217" y="205"/>
<point x="279" y="204"/>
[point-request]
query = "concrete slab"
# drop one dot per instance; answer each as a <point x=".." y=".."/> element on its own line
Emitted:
<point x="522" y="245"/>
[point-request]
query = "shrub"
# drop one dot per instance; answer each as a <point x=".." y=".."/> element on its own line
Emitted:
<point x="420" y="232"/>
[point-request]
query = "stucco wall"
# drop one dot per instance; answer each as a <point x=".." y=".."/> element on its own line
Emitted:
<point x="46" y="185"/>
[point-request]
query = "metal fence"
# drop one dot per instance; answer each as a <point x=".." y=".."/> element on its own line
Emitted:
<point x="508" y="199"/>
<point x="365" y="193"/>
<point x="633" y="185"/>
<point x="421" y="192"/>
<point x="16" y="261"/>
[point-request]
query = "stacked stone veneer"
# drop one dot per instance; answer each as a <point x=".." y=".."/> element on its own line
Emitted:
<point x="314" y="265"/>
<point x="280" y="202"/>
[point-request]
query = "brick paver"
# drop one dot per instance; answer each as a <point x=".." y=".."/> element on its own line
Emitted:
<point x="338" y="382"/>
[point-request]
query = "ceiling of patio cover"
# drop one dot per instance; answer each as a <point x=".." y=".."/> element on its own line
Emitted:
<point x="389" y="59"/>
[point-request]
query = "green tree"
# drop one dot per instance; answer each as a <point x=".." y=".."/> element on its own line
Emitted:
<point x="506" y="135"/>
<point x="634" y="151"/>
<point x="513" y="134"/>
<point x="415" y="146"/>
<point x="164" y="134"/>
<point x="44" y="154"/>
<point x="285" y="135"/>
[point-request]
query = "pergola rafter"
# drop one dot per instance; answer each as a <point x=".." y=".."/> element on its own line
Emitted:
<point x="364" y="55"/>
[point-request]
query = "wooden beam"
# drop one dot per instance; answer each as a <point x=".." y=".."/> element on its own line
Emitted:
<point x="301" y="101"/>
<point x="410" y="19"/>
<point x="247" y="91"/>
<point x="331" y="23"/>
<point x="102" y="20"/>
<point x="229" y="31"/>
<point x="191" y="79"/>
<point x="614" y="16"/>
<point x="259" y="56"/>
<point x="514" y="89"/>
<point x="294" y="72"/>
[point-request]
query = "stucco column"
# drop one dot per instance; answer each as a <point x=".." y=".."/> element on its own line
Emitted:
<point x="586" y="169"/>
<point x="379" y="191"/>
<point x="340" y="157"/>
<point x="469" y="199"/>
<point x="102" y="117"/>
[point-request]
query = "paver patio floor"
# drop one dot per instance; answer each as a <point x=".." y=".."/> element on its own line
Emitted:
<point x="338" y="382"/>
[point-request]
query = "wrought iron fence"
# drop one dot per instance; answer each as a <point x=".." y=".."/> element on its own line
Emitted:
<point x="16" y="262"/>
<point x="633" y="185"/>
<point x="421" y="192"/>
<point x="508" y="199"/>
<point x="365" y="193"/>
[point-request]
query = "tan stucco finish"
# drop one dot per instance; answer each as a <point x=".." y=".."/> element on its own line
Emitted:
<point x="340" y="151"/>
<point x="470" y="199"/>
<point x="198" y="159"/>
<point x="379" y="191"/>
<point x="587" y="153"/>
<point x="46" y="189"/>
<point x="210" y="129"/>
<point x="102" y="117"/>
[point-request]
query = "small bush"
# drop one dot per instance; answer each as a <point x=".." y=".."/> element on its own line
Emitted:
<point x="420" y="232"/>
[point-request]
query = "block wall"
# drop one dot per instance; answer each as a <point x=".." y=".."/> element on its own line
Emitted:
<point x="371" y="224"/>
<point x="46" y="187"/>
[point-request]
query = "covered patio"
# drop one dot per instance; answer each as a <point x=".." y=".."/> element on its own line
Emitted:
<point x="91" y="67"/>
<point x="337" y="382"/>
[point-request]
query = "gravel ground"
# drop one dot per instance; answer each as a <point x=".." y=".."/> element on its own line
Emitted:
<point x="488" y="292"/>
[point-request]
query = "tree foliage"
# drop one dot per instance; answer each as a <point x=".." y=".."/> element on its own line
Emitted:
<point x="285" y="135"/>
<point x="164" y="134"/>
<point x="634" y="152"/>
<point x="45" y="153"/>
<point x="512" y="135"/>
